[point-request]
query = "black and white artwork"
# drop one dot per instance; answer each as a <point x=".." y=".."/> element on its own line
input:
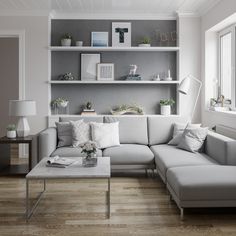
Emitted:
<point x="121" y="34"/>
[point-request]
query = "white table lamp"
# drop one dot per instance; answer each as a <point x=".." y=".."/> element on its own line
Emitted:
<point x="22" y="108"/>
<point x="184" y="89"/>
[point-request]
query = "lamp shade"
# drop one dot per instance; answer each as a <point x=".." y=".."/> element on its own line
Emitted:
<point x="184" y="86"/>
<point x="22" y="108"/>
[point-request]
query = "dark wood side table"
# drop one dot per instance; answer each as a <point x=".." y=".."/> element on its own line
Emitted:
<point x="5" y="155"/>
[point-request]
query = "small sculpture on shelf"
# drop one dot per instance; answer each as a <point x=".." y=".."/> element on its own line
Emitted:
<point x="168" y="78"/>
<point x="127" y="109"/>
<point x="132" y="73"/>
<point x="60" y="106"/>
<point x="67" y="76"/>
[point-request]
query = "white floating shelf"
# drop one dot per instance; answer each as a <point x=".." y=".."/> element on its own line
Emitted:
<point x="120" y="49"/>
<point x="113" y="82"/>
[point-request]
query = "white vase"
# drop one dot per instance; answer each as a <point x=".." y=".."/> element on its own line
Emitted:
<point x="63" y="104"/>
<point x="66" y="42"/>
<point x="144" y="45"/>
<point x="11" y="134"/>
<point x="165" y="110"/>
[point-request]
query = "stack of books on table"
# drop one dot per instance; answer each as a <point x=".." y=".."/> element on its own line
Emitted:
<point x="60" y="162"/>
<point x="88" y="112"/>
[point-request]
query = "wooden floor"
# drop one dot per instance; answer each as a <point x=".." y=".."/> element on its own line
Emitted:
<point x="140" y="206"/>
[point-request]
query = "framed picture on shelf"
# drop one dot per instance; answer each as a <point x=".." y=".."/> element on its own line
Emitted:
<point x="99" y="39"/>
<point x="89" y="66"/>
<point x="105" y="71"/>
<point x="121" y="34"/>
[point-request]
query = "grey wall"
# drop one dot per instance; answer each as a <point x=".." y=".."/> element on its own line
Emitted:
<point x="81" y="30"/>
<point x="149" y="63"/>
<point x="9" y="89"/>
<point x="106" y="96"/>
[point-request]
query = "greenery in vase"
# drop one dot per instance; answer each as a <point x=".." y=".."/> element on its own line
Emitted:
<point x="58" y="102"/>
<point x="145" y="40"/>
<point x="167" y="102"/>
<point x="66" y="36"/>
<point x="11" y="127"/>
<point x="89" y="148"/>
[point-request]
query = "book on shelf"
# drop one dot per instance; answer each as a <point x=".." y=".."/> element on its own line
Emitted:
<point x="60" y="162"/>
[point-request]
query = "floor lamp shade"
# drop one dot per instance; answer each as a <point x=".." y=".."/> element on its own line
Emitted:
<point x="22" y="109"/>
<point x="184" y="86"/>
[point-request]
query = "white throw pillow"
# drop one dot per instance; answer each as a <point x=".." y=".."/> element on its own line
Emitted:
<point x="179" y="130"/>
<point x="80" y="132"/>
<point x="105" y="134"/>
<point x="193" y="139"/>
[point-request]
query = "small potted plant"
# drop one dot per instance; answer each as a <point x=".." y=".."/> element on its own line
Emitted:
<point x="166" y="105"/>
<point x="66" y="40"/>
<point x="145" y="42"/>
<point x="11" y="131"/>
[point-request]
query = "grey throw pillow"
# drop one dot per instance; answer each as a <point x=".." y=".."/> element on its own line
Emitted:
<point x="179" y="130"/>
<point x="193" y="139"/>
<point x="64" y="134"/>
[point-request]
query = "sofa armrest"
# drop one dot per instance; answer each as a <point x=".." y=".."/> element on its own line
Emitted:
<point x="221" y="148"/>
<point x="47" y="142"/>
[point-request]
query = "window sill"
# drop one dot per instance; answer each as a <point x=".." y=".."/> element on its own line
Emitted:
<point x="228" y="113"/>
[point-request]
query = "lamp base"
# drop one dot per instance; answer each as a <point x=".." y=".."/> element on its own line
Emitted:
<point x="23" y="128"/>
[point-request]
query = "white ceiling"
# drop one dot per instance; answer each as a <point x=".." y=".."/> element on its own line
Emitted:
<point x="107" y="7"/>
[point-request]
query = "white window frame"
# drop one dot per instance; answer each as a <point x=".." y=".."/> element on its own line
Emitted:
<point x="232" y="30"/>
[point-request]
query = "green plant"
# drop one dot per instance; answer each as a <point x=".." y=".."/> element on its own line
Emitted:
<point x="58" y="101"/>
<point x="145" y="40"/>
<point x="66" y="36"/>
<point x="88" y="105"/>
<point x="11" y="127"/>
<point x="167" y="102"/>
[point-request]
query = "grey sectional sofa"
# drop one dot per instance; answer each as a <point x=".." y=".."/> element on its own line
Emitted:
<point x="206" y="179"/>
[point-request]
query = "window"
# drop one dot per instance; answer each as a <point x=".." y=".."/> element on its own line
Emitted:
<point x="227" y="64"/>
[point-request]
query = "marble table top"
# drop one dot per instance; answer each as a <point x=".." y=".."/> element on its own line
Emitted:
<point x="74" y="171"/>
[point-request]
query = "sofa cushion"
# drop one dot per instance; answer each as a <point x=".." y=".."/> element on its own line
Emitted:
<point x="160" y="128"/>
<point x="71" y="152"/>
<point x="201" y="183"/>
<point x="131" y="129"/>
<point x="167" y="156"/>
<point x="130" y="154"/>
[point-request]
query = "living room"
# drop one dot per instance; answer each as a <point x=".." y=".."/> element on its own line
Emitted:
<point x="117" y="117"/>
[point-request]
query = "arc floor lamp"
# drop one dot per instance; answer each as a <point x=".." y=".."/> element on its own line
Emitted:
<point x="185" y="86"/>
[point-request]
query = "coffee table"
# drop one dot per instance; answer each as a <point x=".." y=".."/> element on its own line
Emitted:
<point x="75" y="171"/>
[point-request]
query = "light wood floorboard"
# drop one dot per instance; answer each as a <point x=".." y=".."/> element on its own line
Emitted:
<point x="140" y="206"/>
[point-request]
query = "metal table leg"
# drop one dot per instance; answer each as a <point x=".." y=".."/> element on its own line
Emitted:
<point x="29" y="211"/>
<point x="109" y="198"/>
